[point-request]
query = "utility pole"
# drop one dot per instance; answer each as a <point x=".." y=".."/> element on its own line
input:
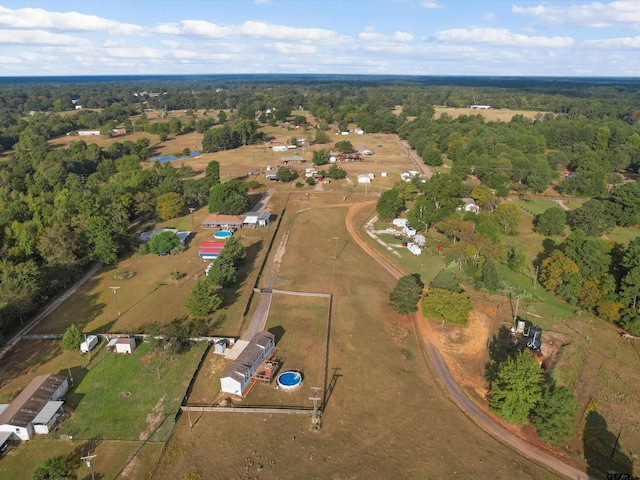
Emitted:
<point x="515" y="316"/>
<point x="315" y="419"/>
<point x="115" y="293"/>
<point x="335" y="250"/>
<point x="193" y="225"/>
<point x="89" y="464"/>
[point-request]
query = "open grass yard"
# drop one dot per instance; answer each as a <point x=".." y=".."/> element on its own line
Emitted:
<point x="385" y="415"/>
<point x="535" y="207"/>
<point x="623" y="235"/>
<point x="115" y="459"/>
<point x="300" y="327"/>
<point x="152" y="294"/>
<point x="492" y="115"/>
<point x="130" y="397"/>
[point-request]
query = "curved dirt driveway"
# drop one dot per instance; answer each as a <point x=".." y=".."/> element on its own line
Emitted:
<point x="441" y="372"/>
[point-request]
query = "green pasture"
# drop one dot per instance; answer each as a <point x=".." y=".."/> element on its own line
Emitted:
<point x="535" y="207"/>
<point x="130" y="397"/>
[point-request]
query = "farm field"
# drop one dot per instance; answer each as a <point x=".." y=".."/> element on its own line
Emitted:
<point x="381" y="394"/>
<point x="492" y="115"/>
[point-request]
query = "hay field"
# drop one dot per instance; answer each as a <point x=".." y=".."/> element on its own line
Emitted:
<point x="386" y="417"/>
<point x="492" y="115"/>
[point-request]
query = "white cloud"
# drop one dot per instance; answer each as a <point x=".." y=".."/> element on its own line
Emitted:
<point x="37" y="18"/>
<point x="247" y="29"/>
<point x="37" y="37"/>
<point x="430" y="4"/>
<point x="489" y="17"/>
<point x="611" y="43"/>
<point x="130" y="52"/>
<point x="293" y="49"/>
<point x="594" y="14"/>
<point x="369" y="36"/>
<point x="499" y="36"/>
<point x="258" y="2"/>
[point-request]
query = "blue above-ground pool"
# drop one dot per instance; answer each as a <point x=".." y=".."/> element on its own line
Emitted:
<point x="289" y="380"/>
<point x="222" y="234"/>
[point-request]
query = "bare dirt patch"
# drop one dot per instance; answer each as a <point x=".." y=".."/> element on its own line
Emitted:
<point x="153" y="420"/>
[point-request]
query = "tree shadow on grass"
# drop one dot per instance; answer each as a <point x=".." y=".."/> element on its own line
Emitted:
<point x="548" y="246"/>
<point x="277" y="332"/>
<point x="602" y="450"/>
<point x="501" y="347"/>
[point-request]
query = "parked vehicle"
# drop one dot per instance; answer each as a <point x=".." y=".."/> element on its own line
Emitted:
<point x="90" y="342"/>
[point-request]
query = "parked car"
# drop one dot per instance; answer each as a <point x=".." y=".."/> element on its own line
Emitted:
<point x="404" y="244"/>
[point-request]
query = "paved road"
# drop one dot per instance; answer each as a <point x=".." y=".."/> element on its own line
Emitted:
<point x="441" y="371"/>
<point x="50" y="308"/>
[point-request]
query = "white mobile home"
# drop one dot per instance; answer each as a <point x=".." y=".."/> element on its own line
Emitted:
<point x="238" y="376"/>
<point x="36" y="409"/>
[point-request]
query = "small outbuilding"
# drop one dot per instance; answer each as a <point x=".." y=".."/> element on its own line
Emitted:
<point x="220" y="346"/>
<point x="125" y="345"/>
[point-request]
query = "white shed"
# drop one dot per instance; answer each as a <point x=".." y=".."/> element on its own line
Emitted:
<point x="125" y="345"/>
<point x="415" y="249"/>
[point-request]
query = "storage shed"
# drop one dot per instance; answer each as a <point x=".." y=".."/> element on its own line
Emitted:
<point x="125" y="345"/>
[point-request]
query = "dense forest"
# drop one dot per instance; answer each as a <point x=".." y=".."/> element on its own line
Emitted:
<point x="62" y="208"/>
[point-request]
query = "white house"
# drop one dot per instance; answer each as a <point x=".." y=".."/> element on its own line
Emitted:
<point x="238" y="376"/>
<point x="469" y="206"/>
<point x="36" y="409"/>
<point x="279" y="148"/>
<point x="125" y="345"/>
<point x="86" y="133"/>
<point x="359" y="131"/>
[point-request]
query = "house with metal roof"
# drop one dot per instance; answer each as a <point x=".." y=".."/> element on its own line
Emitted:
<point x="239" y="374"/>
<point x="257" y="219"/>
<point x="36" y="409"/>
<point x="218" y="220"/>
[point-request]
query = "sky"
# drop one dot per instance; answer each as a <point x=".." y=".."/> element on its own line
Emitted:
<point x="378" y="37"/>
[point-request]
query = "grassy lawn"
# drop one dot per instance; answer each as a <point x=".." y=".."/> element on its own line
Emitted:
<point x="623" y="235"/>
<point x="300" y="326"/>
<point x="534" y="207"/>
<point x="130" y="397"/>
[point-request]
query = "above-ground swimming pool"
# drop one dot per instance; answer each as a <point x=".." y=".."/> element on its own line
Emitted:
<point x="289" y="380"/>
<point x="222" y="234"/>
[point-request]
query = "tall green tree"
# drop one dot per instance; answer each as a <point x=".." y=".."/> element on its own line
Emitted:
<point x="223" y="272"/>
<point x="169" y="205"/>
<point x="405" y="295"/>
<point x="389" y="205"/>
<point x="507" y="217"/>
<point x="212" y="172"/>
<point x="54" y="468"/>
<point x="554" y="416"/>
<point x="163" y="242"/>
<point x="592" y="218"/>
<point x="229" y="198"/>
<point x="234" y="251"/>
<point x="517" y="389"/>
<point x="72" y="338"/>
<point x="446" y="306"/>
<point x="551" y="222"/>
<point x="439" y="198"/>
<point x="203" y="299"/>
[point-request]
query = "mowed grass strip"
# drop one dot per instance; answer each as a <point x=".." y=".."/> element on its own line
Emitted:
<point x="300" y="326"/>
<point x="130" y="397"/>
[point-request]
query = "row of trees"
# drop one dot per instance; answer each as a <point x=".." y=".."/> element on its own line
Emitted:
<point x="205" y="297"/>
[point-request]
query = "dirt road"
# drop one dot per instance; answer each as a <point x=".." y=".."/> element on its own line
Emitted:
<point x="420" y="165"/>
<point x="442" y="373"/>
<point x="49" y="308"/>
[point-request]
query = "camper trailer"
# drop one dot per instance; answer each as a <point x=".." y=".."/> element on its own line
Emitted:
<point x="90" y="342"/>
